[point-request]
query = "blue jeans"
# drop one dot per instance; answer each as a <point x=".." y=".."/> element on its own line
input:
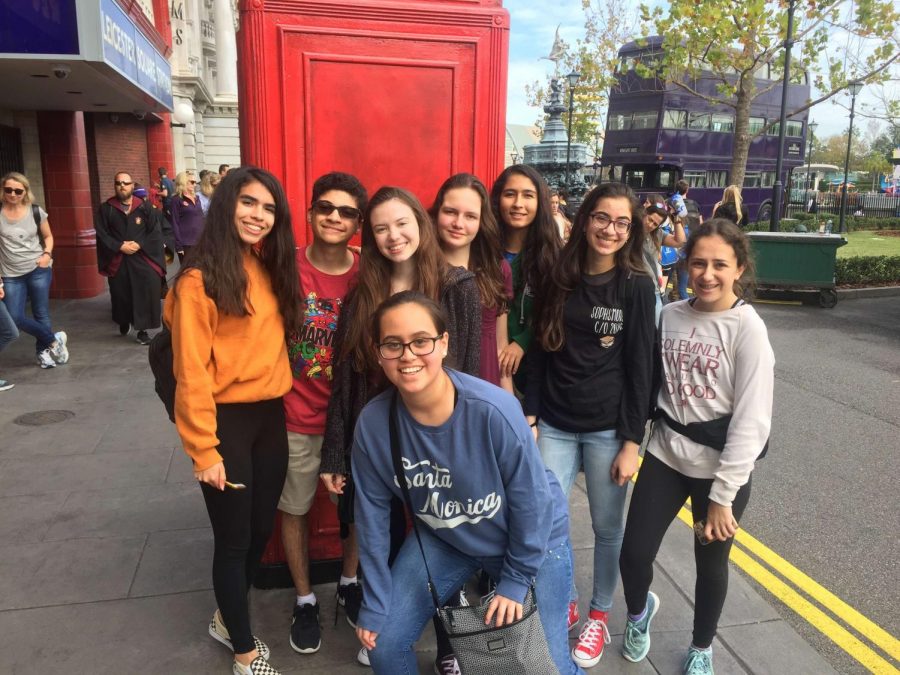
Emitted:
<point x="8" y="330"/>
<point x="564" y="453"/>
<point x="33" y="287"/>
<point x="411" y="607"/>
<point x="682" y="281"/>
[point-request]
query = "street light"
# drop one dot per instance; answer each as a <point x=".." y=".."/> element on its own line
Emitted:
<point x="811" y="129"/>
<point x="573" y="80"/>
<point x="855" y="87"/>
<point x="786" y="80"/>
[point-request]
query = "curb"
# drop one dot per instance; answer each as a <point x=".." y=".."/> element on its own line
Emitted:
<point x="873" y="292"/>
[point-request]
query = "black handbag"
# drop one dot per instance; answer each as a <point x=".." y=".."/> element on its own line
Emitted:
<point x="518" y="648"/>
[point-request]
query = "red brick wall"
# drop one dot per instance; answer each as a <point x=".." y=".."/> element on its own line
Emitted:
<point x="119" y="146"/>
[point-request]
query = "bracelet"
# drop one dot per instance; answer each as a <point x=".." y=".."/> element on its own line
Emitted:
<point x="533" y="424"/>
<point x="48" y="253"/>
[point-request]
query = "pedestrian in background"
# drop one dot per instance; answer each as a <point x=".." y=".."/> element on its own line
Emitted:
<point x="26" y="266"/>
<point x="132" y="236"/>
<point x="716" y="412"/>
<point x="8" y="333"/>
<point x="520" y="200"/>
<point x="589" y="387"/>
<point x="470" y="238"/>
<point x="731" y="206"/>
<point x="229" y="310"/>
<point x="563" y="223"/>
<point x="656" y="219"/>
<point x="223" y="170"/>
<point x="208" y="183"/>
<point x="186" y="213"/>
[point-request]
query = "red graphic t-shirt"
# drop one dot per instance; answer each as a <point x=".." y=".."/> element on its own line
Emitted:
<point x="310" y="349"/>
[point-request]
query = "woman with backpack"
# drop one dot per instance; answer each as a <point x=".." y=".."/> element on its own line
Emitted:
<point x="228" y="312"/>
<point x="588" y="391"/>
<point x="26" y="267"/>
<point x="715" y="405"/>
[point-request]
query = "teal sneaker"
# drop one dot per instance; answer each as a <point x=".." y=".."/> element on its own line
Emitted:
<point x="637" y="633"/>
<point x="698" y="662"/>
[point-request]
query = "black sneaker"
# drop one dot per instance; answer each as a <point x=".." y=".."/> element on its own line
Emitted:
<point x="349" y="597"/>
<point x="124" y="328"/>
<point x="306" y="637"/>
<point x="142" y="338"/>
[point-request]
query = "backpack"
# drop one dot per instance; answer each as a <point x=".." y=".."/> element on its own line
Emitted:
<point x="668" y="255"/>
<point x="162" y="363"/>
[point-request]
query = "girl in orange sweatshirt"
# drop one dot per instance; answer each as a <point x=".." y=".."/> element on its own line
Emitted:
<point x="228" y="312"/>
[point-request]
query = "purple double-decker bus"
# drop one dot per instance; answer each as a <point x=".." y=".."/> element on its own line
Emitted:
<point x="657" y="134"/>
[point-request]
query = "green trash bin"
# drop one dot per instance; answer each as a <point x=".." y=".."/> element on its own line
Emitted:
<point x="797" y="260"/>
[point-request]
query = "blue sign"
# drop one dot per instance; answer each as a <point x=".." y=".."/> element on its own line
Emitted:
<point x="127" y="50"/>
<point x="38" y="28"/>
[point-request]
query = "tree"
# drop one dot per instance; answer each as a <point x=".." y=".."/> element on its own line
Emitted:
<point x="735" y="41"/>
<point x="833" y="150"/>
<point x="608" y="24"/>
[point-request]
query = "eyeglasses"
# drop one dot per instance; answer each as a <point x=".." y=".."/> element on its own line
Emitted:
<point x="323" y="207"/>
<point x="14" y="191"/>
<point x="422" y="346"/>
<point x="602" y="220"/>
<point x="117" y="183"/>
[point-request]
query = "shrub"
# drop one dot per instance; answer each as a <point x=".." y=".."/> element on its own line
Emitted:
<point x="811" y="222"/>
<point x="868" y="269"/>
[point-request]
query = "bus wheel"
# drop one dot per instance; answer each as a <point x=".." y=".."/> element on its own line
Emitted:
<point x="764" y="214"/>
<point x="828" y="298"/>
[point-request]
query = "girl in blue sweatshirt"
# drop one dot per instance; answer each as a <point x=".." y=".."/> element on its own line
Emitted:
<point x="479" y="489"/>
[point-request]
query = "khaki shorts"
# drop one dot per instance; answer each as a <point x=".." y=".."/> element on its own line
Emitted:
<point x="304" y="459"/>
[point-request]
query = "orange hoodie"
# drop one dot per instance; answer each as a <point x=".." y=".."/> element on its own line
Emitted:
<point x="221" y="358"/>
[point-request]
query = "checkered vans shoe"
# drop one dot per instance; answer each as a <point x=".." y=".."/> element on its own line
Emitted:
<point x="218" y="632"/>
<point x="259" y="666"/>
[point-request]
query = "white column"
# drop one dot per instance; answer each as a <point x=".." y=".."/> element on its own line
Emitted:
<point x="226" y="51"/>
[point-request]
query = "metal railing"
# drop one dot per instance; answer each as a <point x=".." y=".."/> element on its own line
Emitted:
<point x="869" y="204"/>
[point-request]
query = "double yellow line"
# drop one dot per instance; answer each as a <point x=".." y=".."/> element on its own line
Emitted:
<point x="800" y="593"/>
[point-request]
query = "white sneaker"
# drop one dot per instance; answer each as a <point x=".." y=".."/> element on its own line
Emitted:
<point x="363" y="657"/>
<point x="259" y="666"/>
<point x="45" y="359"/>
<point x="58" y="351"/>
<point x="218" y="632"/>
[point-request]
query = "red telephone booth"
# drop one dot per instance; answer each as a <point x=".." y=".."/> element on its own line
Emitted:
<point x="396" y="93"/>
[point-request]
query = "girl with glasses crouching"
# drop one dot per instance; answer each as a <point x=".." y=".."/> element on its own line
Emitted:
<point x="481" y="494"/>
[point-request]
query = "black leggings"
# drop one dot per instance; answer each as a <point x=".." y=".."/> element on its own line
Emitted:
<point x="658" y="495"/>
<point x="253" y="445"/>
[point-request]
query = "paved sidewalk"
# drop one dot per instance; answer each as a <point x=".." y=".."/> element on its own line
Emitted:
<point x="106" y="547"/>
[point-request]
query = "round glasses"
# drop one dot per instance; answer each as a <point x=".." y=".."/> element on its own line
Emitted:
<point x="421" y="346"/>
<point x="601" y="221"/>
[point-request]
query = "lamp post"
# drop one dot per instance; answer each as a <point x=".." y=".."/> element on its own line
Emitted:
<point x="777" y="189"/>
<point x="811" y="129"/>
<point x="514" y="156"/>
<point x="855" y="87"/>
<point x="573" y="80"/>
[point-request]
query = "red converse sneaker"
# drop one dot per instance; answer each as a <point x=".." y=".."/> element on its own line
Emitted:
<point x="574" y="618"/>
<point x="594" y="637"/>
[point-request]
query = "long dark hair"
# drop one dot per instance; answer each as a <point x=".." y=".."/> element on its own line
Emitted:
<point x="485" y="253"/>
<point x="374" y="281"/>
<point x="542" y="242"/>
<point x="735" y="237"/>
<point x="218" y="253"/>
<point x="568" y="271"/>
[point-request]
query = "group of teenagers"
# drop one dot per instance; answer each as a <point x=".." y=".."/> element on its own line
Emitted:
<point x="506" y="361"/>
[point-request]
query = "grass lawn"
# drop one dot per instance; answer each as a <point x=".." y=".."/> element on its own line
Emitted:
<point x="869" y="243"/>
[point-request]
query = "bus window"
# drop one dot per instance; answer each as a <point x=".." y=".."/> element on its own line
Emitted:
<point x="619" y="121"/>
<point x="699" y="121"/>
<point x="767" y="179"/>
<point x="757" y="124"/>
<point x="645" y="120"/>
<point x="666" y="178"/>
<point x="751" y="179"/>
<point x="722" y="122"/>
<point x="634" y="179"/>
<point x="695" y="178"/>
<point x="674" y="119"/>
<point x="793" y="129"/>
<point x="615" y="173"/>
<point x="716" y="178"/>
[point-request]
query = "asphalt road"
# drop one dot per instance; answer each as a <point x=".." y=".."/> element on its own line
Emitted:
<point x="826" y="496"/>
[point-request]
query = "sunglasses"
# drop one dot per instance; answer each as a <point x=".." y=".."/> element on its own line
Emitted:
<point x="192" y="182"/>
<point x="323" y="207"/>
<point x="14" y="191"/>
<point x="117" y="183"/>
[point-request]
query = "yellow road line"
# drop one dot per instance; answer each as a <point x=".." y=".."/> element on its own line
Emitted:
<point x="867" y="628"/>
<point x="805" y="609"/>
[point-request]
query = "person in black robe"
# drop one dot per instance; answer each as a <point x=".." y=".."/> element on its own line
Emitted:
<point x="132" y="236"/>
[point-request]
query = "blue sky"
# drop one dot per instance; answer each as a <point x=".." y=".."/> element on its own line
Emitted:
<point x="533" y="25"/>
